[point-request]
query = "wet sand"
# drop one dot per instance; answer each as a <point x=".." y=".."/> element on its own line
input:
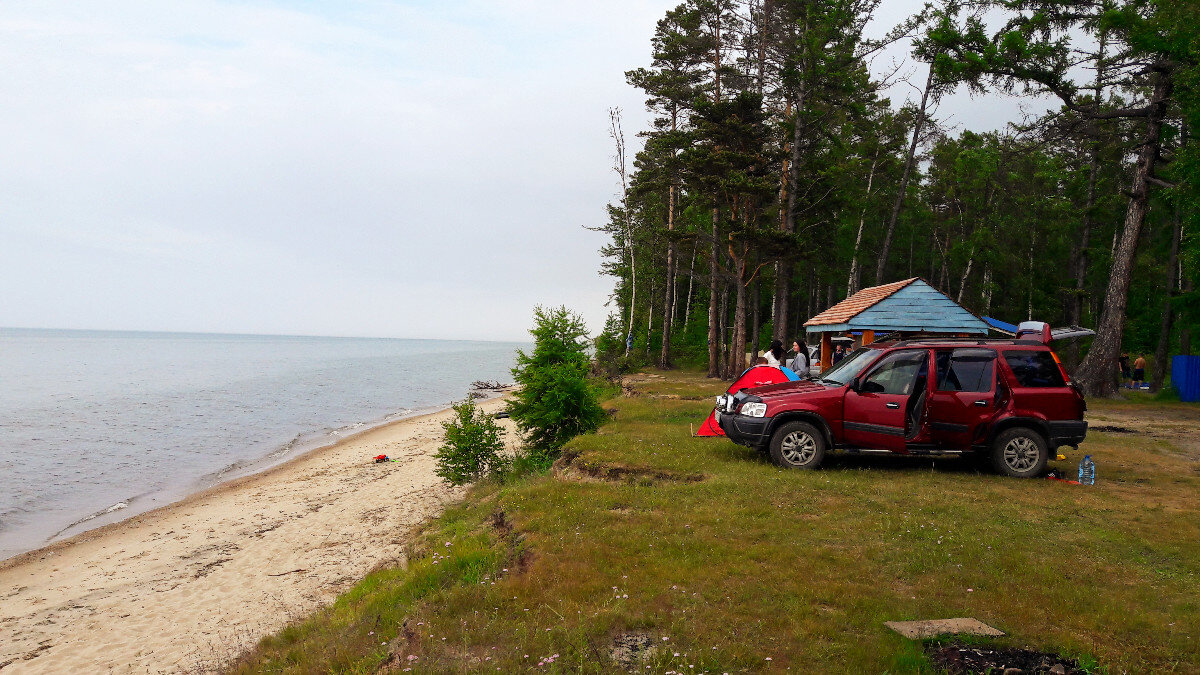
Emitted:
<point x="189" y="586"/>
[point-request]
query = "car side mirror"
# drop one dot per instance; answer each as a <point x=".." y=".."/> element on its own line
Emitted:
<point x="870" y="388"/>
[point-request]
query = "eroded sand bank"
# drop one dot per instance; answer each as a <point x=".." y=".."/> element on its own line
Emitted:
<point x="187" y="586"/>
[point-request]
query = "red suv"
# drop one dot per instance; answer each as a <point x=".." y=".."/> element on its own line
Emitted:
<point x="1009" y="400"/>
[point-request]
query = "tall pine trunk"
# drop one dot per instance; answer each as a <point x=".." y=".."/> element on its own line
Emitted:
<point x="909" y="160"/>
<point x="1085" y="237"/>
<point x="1096" y="373"/>
<point x="852" y="282"/>
<point x="664" y="357"/>
<point x="737" y="346"/>
<point x="714" y="319"/>
<point x="1168" y="315"/>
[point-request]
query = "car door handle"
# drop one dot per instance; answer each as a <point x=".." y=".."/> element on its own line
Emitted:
<point x="982" y="403"/>
<point x="893" y="405"/>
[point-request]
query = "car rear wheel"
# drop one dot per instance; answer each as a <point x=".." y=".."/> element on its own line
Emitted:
<point x="1020" y="452"/>
<point x="798" y="445"/>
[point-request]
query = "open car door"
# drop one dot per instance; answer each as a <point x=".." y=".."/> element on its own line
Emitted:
<point x="879" y="406"/>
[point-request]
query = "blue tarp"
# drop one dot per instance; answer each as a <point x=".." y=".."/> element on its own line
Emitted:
<point x="1185" y="377"/>
<point x="997" y="324"/>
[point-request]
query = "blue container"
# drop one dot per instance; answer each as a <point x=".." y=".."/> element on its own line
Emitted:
<point x="1185" y="377"/>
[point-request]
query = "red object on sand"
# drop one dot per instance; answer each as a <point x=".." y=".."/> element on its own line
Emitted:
<point x="1064" y="480"/>
<point x="755" y="377"/>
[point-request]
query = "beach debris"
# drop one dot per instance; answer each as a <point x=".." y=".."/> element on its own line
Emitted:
<point x="381" y="458"/>
<point x="919" y="630"/>
<point x="488" y="385"/>
<point x="501" y="415"/>
<point x="1053" y="475"/>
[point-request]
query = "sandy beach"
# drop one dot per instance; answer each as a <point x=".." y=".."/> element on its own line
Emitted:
<point x="186" y="587"/>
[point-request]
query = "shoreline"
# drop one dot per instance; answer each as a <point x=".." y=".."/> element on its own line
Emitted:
<point x="301" y="445"/>
<point x="199" y="573"/>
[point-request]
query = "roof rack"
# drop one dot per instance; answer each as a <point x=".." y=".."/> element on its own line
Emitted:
<point x="909" y="342"/>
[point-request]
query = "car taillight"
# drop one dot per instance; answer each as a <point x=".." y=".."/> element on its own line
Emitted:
<point x="1066" y="378"/>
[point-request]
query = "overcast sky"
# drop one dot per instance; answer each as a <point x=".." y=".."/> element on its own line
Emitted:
<point x="400" y="169"/>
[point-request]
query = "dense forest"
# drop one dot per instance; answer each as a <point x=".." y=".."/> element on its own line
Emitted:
<point x="777" y="180"/>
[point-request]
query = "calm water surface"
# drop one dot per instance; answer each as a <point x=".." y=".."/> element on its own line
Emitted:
<point x="96" y="426"/>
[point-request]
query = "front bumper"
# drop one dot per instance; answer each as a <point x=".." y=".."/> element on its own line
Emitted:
<point x="748" y="431"/>
<point x="1065" y="432"/>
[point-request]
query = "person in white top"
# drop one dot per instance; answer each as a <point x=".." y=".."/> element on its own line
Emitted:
<point x="775" y="354"/>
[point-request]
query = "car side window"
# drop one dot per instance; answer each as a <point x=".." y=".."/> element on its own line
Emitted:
<point x="966" y="370"/>
<point x="896" y="373"/>
<point x="1034" y="368"/>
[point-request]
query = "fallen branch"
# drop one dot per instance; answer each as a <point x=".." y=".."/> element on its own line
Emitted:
<point x="287" y="572"/>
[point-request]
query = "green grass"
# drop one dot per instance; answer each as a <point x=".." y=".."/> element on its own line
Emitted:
<point x="735" y="565"/>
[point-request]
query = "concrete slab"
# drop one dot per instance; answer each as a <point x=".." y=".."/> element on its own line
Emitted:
<point x="919" y="630"/>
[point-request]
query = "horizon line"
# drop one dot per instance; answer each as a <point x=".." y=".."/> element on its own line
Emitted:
<point x="246" y="334"/>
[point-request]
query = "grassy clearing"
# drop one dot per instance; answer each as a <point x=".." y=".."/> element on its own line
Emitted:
<point x="726" y="563"/>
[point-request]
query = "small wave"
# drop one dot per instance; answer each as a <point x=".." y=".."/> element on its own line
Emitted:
<point x="103" y="512"/>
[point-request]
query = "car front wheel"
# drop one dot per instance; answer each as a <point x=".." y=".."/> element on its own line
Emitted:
<point x="1020" y="452"/>
<point x="798" y="445"/>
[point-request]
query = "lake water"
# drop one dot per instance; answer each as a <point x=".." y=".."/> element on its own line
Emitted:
<point x="96" y="426"/>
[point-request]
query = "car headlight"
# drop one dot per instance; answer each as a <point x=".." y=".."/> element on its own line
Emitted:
<point x="754" y="409"/>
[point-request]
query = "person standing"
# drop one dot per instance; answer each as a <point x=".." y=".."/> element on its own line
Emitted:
<point x="775" y="354"/>
<point x="1139" y="371"/>
<point x="801" y="363"/>
<point x="1126" y="373"/>
<point x="839" y="354"/>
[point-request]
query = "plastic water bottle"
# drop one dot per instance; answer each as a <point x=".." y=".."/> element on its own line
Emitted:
<point x="1087" y="471"/>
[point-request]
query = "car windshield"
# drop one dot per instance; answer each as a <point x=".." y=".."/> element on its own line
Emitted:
<point x="848" y="368"/>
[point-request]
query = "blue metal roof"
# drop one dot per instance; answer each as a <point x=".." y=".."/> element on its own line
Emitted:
<point x="918" y="307"/>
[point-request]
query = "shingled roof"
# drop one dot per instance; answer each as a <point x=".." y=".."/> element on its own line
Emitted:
<point x="851" y="306"/>
<point x="910" y="305"/>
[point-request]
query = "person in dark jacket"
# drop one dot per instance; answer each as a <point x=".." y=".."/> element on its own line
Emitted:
<point x="839" y="354"/>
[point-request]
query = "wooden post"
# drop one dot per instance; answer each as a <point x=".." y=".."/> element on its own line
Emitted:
<point x="868" y="337"/>
<point x="826" y="350"/>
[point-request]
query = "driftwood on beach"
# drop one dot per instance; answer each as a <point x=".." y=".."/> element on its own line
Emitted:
<point x="488" y="385"/>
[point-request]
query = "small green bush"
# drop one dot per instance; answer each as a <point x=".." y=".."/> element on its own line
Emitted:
<point x="472" y="447"/>
<point x="556" y="402"/>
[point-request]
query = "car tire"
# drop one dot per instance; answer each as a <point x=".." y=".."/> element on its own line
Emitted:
<point x="797" y="445"/>
<point x="1020" y="452"/>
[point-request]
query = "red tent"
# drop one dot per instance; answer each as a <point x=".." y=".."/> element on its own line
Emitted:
<point x="755" y="377"/>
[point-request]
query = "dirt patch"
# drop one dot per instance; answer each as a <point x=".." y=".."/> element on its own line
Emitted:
<point x="630" y="649"/>
<point x="1110" y="429"/>
<point x="520" y="556"/>
<point x="570" y="466"/>
<point x="403" y="650"/>
<point x="956" y="658"/>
